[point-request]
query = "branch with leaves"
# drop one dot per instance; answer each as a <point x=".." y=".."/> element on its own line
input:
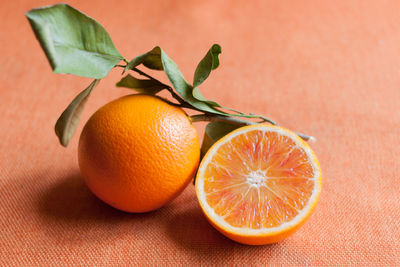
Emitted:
<point x="76" y="44"/>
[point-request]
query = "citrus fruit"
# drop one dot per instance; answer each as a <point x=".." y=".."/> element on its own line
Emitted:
<point x="258" y="184"/>
<point x="138" y="152"/>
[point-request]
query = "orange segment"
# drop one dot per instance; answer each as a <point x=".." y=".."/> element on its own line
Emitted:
<point x="258" y="184"/>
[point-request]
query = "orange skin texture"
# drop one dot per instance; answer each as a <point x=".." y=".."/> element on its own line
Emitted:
<point x="137" y="153"/>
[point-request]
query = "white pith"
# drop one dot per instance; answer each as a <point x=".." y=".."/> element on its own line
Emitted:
<point x="256" y="179"/>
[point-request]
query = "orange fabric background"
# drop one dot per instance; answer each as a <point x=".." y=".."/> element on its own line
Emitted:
<point x="326" y="68"/>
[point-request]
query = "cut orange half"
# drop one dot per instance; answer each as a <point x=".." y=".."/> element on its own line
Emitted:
<point x="258" y="184"/>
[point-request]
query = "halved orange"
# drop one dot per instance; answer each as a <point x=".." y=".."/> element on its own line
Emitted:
<point x="258" y="184"/>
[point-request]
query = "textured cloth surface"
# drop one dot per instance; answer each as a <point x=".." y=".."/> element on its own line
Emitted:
<point x="326" y="68"/>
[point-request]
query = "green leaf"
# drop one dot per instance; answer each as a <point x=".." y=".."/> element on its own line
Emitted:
<point x="203" y="70"/>
<point x="197" y="94"/>
<point x="151" y="60"/>
<point x="157" y="59"/>
<point x="146" y="86"/>
<point x="69" y="119"/>
<point x="182" y="87"/>
<point x="215" y="131"/>
<point x="208" y="63"/>
<point x="73" y="42"/>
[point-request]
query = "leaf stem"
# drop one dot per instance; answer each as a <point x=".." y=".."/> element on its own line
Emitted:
<point x="182" y="102"/>
<point x="236" y="121"/>
<point x="214" y="117"/>
<point x="169" y="102"/>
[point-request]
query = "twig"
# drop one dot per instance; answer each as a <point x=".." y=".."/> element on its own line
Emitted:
<point x="235" y="121"/>
<point x="206" y="116"/>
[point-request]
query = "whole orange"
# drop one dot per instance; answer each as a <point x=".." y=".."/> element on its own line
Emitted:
<point x="138" y="152"/>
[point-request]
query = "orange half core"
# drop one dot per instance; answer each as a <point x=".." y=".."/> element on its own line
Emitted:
<point x="258" y="180"/>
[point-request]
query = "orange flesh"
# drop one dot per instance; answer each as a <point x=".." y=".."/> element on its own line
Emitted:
<point x="258" y="180"/>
